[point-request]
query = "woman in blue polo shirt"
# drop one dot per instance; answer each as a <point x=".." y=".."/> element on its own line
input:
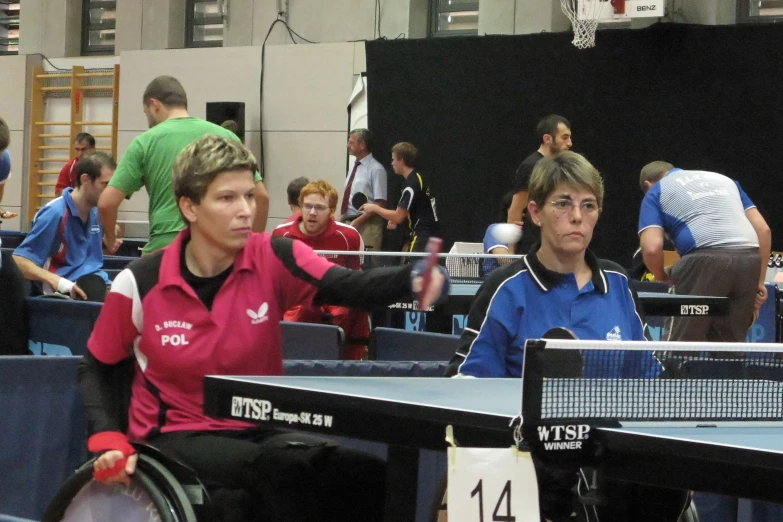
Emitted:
<point x="561" y="283"/>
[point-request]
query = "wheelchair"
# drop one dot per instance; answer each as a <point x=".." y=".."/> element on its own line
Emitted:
<point x="160" y="489"/>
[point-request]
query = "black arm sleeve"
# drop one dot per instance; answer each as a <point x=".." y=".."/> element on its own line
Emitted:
<point x="373" y="288"/>
<point x="367" y="289"/>
<point x="106" y="390"/>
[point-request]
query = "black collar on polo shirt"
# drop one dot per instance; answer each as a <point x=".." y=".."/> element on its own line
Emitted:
<point x="546" y="279"/>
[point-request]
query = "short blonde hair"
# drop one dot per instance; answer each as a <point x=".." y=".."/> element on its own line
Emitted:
<point x="653" y="172"/>
<point x="566" y="168"/>
<point x="321" y="188"/>
<point x="407" y="152"/>
<point x="200" y="162"/>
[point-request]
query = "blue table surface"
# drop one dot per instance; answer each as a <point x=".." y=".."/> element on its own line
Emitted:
<point x="502" y="397"/>
<point x="768" y="439"/>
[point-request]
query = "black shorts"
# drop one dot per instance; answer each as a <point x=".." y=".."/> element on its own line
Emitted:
<point x="420" y="238"/>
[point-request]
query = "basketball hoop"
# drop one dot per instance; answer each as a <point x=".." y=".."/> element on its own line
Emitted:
<point x="585" y="16"/>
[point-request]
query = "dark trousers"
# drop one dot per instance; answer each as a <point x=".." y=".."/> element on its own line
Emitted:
<point x="420" y="238"/>
<point x="722" y="272"/>
<point x="288" y="475"/>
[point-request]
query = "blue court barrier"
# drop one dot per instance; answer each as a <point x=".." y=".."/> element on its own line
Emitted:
<point x="43" y="431"/>
<point x="43" y="434"/>
<point x="59" y="326"/>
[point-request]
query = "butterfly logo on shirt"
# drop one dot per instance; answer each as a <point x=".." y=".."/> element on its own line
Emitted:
<point x="259" y="316"/>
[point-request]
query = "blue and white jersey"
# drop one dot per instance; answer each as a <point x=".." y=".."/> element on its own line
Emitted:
<point x="61" y="243"/>
<point x="523" y="300"/>
<point x="5" y="166"/>
<point x="490" y="242"/>
<point x="699" y="209"/>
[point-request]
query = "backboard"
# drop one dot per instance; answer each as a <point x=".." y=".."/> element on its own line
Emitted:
<point x="620" y="9"/>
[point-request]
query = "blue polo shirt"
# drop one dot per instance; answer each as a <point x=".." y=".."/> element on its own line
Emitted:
<point x="60" y="242"/>
<point x="699" y="209"/>
<point x="491" y="242"/>
<point x="5" y="173"/>
<point x="531" y="300"/>
<point x="5" y="166"/>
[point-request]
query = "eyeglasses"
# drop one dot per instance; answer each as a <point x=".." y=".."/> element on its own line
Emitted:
<point x="320" y="209"/>
<point x="588" y="208"/>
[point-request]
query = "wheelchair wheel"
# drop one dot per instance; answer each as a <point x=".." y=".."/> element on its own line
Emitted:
<point x="153" y="494"/>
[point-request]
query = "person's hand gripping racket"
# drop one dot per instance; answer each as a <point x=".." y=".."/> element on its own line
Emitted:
<point x="361" y="202"/>
<point x="430" y="281"/>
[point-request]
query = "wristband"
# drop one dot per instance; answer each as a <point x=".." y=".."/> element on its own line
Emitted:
<point x="107" y="441"/>
<point x="65" y="286"/>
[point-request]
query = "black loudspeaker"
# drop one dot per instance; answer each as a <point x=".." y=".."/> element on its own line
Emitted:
<point x="221" y="112"/>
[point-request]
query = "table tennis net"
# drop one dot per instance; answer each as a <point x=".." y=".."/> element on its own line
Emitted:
<point x="638" y="381"/>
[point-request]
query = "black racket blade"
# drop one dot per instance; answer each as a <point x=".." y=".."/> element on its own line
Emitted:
<point x="94" y="286"/>
<point x="562" y="363"/>
<point x="359" y="199"/>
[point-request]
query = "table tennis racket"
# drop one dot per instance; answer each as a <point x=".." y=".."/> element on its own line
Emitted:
<point x="433" y="248"/>
<point x="359" y="199"/>
<point x="562" y="363"/>
<point x="94" y="286"/>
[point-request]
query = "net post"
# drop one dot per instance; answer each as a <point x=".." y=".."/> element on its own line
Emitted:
<point x="532" y="386"/>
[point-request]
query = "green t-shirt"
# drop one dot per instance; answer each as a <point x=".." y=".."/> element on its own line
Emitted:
<point x="147" y="163"/>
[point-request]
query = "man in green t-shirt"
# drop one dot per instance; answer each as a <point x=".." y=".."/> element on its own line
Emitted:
<point x="148" y="160"/>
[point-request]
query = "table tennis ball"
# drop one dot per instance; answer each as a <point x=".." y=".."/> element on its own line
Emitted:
<point x="507" y="233"/>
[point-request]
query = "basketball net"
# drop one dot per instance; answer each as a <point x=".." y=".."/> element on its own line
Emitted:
<point x="585" y="15"/>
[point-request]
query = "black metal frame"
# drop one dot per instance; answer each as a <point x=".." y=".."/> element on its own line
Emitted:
<point x="190" y="24"/>
<point x="747" y="12"/>
<point x="87" y="27"/>
<point x="435" y="10"/>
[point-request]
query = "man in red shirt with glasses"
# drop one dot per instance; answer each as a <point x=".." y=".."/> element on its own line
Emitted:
<point x="317" y="227"/>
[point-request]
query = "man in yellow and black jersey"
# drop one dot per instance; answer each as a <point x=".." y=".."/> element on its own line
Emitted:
<point x="417" y="202"/>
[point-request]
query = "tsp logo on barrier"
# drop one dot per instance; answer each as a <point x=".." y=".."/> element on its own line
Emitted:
<point x="694" y="309"/>
<point x="245" y="408"/>
<point x="567" y="437"/>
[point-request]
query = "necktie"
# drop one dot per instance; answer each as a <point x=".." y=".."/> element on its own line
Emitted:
<point x="347" y="194"/>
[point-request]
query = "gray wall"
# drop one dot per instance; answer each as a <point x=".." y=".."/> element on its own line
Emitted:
<point x="307" y="87"/>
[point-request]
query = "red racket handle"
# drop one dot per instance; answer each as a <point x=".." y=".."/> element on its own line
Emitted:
<point x="433" y="247"/>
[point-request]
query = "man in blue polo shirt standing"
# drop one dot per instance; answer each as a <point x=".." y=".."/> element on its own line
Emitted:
<point x="723" y="242"/>
<point x="66" y="239"/>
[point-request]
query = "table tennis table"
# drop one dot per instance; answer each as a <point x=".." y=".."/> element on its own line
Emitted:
<point x="655" y="304"/>
<point x="412" y="413"/>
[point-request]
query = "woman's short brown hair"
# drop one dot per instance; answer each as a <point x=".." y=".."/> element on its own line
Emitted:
<point x="567" y="168"/>
<point x="200" y="162"/>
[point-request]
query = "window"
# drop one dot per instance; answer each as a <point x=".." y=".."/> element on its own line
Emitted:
<point x="759" y="10"/>
<point x="204" y="19"/>
<point x="98" y="24"/>
<point x="454" y="17"/>
<point x="9" y="28"/>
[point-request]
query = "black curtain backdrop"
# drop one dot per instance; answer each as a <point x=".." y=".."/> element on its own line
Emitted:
<point x="700" y="97"/>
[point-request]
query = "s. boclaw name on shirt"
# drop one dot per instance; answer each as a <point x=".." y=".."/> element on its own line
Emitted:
<point x="173" y="324"/>
<point x="173" y="339"/>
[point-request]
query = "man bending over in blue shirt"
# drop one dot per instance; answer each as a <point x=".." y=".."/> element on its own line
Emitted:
<point x="66" y="240"/>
